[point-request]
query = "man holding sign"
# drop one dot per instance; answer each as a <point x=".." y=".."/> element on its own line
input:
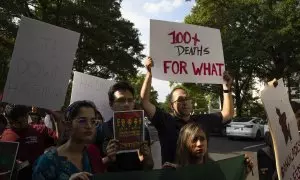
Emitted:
<point x="121" y="98"/>
<point x="168" y="126"/>
<point x="283" y="118"/>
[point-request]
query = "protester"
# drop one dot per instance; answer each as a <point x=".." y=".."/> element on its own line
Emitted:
<point x="266" y="160"/>
<point x="35" y="118"/>
<point x="33" y="139"/>
<point x="121" y="98"/>
<point x="169" y="125"/>
<point x="265" y="156"/>
<point x="192" y="149"/>
<point x="77" y="158"/>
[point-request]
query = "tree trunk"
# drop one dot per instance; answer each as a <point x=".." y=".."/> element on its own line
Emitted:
<point x="288" y="80"/>
<point x="238" y="100"/>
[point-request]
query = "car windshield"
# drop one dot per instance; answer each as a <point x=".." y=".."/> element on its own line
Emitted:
<point x="242" y="119"/>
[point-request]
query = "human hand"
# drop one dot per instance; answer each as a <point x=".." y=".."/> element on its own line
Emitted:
<point x="169" y="165"/>
<point x="228" y="81"/>
<point x="112" y="149"/>
<point x="80" y="176"/>
<point x="274" y="82"/>
<point x="149" y="64"/>
<point x="249" y="164"/>
<point x="144" y="151"/>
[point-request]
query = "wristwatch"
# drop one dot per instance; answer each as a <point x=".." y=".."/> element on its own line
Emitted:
<point x="226" y="91"/>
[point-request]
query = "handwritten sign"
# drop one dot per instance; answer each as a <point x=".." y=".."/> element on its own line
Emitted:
<point x="41" y="65"/>
<point x="284" y="130"/>
<point x="186" y="53"/>
<point x="87" y="87"/>
<point x="129" y="130"/>
<point x="8" y="154"/>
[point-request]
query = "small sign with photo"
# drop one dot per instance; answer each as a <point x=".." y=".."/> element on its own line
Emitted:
<point x="129" y="130"/>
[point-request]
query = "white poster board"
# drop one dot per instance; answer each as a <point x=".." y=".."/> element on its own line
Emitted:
<point x="186" y="53"/>
<point x="41" y="65"/>
<point x="284" y="130"/>
<point x="87" y="87"/>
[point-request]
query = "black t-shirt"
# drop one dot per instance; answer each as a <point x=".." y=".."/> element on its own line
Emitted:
<point x="124" y="161"/>
<point x="169" y="126"/>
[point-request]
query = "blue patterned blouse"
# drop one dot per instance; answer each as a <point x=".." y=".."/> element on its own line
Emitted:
<point x="50" y="166"/>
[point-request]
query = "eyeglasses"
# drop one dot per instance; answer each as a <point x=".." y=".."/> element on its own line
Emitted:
<point x="182" y="100"/>
<point x="124" y="100"/>
<point x="84" y="121"/>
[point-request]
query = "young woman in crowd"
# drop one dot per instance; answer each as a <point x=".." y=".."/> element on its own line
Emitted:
<point x="77" y="158"/>
<point x="192" y="149"/>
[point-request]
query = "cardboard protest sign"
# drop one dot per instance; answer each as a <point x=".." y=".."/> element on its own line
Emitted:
<point x="8" y="154"/>
<point x="186" y="53"/>
<point x="230" y="169"/>
<point x="284" y="130"/>
<point x="129" y="129"/>
<point x="41" y="65"/>
<point x="87" y="87"/>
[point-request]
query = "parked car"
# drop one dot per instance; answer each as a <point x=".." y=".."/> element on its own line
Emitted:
<point x="250" y="127"/>
<point x="266" y="128"/>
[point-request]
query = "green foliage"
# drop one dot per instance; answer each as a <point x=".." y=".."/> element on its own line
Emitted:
<point x="137" y="82"/>
<point x="109" y="45"/>
<point x="260" y="39"/>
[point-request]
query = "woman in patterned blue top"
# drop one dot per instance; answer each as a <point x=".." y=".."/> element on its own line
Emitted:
<point x="71" y="161"/>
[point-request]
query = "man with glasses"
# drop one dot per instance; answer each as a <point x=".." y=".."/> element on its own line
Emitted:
<point x="121" y="98"/>
<point x="169" y="125"/>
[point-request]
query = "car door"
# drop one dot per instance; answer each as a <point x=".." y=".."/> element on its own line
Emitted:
<point x="256" y="125"/>
<point x="261" y="125"/>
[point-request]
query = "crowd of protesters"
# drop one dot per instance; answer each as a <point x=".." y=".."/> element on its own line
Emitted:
<point x="77" y="143"/>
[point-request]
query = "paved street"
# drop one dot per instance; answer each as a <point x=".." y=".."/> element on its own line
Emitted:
<point x="219" y="148"/>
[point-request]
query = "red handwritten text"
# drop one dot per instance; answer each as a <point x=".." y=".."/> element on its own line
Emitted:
<point x="179" y="37"/>
<point x="210" y="69"/>
<point x="176" y="67"/>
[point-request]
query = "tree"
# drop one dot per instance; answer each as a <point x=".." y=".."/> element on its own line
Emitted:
<point x="260" y="39"/>
<point x="231" y="17"/>
<point x="137" y="83"/>
<point x="109" y="45"/>
<point x="278" y="26"/>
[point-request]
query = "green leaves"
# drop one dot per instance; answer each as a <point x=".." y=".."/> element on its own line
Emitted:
<point x="109" y="45"/>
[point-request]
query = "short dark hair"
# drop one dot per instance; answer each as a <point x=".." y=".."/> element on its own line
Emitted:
<point x="119" y="86"/>
<point x="174" y="89"/>
<point x="73" y="109"/>
<point x="295" y="106"/>
<point x="13" y="112"/>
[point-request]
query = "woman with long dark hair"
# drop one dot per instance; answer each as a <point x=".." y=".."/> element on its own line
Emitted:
<point x="192" y="149"/>
<point x="191" y="145"/>
<point x="77" y="158"/>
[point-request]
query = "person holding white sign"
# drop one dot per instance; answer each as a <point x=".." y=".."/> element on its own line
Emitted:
<point x="168" y="126"/>
<point x="266" y="156"/>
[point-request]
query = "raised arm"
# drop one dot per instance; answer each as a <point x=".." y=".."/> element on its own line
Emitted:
<point x="227" y="111"/>
<point x="148" y="107"/>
